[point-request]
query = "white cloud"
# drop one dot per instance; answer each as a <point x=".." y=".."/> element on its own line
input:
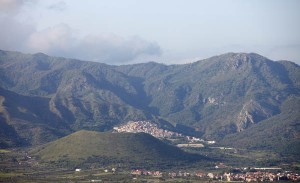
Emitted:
<point x="60" y="40"/>
<point x="115" y="49"/>
<point x="14" y="34"/>
<point x="9" y="6"/>
<point x="51" y="39"/>
<point x="13" y="7"/>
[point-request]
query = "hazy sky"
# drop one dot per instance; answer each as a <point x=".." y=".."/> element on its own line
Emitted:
<point x="166" y="31"/>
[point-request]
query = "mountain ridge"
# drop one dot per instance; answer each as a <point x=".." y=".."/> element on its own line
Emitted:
<point x="212" y="98"/>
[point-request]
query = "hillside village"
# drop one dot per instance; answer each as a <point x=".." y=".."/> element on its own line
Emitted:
<point x="154" y="130"/>
<point x="247" y="176"/>
<point x="146" y="127"/>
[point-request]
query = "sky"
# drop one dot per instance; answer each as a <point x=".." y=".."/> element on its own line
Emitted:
<point x="166" y="31"/>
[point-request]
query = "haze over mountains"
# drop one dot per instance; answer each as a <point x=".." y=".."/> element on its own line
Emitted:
<point x="230" y="98"/>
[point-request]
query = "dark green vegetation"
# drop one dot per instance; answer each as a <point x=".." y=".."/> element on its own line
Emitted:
<point x="237" y="99"/>
<point x="17" y="165"/>
<point x="105" y="156"/>
<point x="104" y="148"/>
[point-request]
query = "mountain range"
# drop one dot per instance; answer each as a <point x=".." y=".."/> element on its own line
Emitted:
<point x="238" y="99"/>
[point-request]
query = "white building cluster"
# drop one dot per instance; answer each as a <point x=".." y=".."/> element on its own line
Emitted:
<point x="146" y="127"/>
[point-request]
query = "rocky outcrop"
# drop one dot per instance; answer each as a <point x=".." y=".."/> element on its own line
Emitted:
<point x="251" y="113"/>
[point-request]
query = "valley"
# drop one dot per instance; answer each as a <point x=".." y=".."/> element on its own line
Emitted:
<point x="17" y="165"/>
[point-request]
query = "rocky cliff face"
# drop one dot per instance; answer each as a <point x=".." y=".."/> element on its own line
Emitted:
<point x="252" y="112"/>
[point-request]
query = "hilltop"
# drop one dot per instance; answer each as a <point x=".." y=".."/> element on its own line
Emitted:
<point x="108" y="148"/>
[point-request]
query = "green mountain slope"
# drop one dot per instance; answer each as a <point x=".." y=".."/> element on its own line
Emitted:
<point x="214" y="98"/>
<point x="81" y="94"/>
<point x="220" y="95"/>
<point x="85" y="146"/>
<point x="279" y="133"/>
<point x="27" y="120"/>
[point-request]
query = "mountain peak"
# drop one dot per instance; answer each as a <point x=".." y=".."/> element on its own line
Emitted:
<point x="241" y="56"/>
<point x="236" y="60"/>
<point x="40" y="54"/>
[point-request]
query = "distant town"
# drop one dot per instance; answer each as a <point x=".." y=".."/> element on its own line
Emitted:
<point x="254" y="174"/>
<point x="146" y="127"/>
<point x="154" y="130"/>
<point x="249" y="175"/>
<point x="220" y="173"/>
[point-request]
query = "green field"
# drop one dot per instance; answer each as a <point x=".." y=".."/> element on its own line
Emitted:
<point x="17" y="167"/>
<point x="96" y="154"/>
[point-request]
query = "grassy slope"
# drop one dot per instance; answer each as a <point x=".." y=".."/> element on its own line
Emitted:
<point x="82" y="145"/>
